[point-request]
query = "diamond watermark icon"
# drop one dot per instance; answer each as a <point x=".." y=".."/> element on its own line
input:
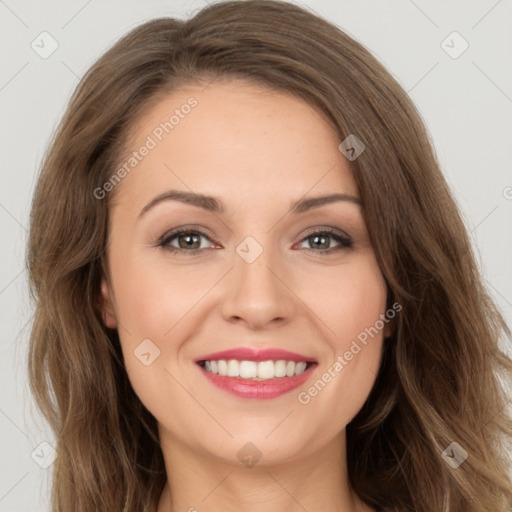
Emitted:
<point x="44" y="455"/>
<point x="454" y="45"/>
<point x="249" y="249"/>
<point x="44" y="45"/>
<point x="351" y="147"/>
<point x="455" y="455"/>
<point x="249" y="455"/>
<point x="146" y="352"/>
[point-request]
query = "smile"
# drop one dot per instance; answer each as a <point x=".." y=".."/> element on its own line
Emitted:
<point x="262" y="370"/>
<point x="253" y="373"/>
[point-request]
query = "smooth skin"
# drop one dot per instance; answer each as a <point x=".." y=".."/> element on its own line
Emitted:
<point x="257" y="150"/>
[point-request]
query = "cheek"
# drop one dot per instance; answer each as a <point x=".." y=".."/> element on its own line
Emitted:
<point x="151" y="297"/>
<point x="350" y="303"/>
<point x="155" y="308"/>
<point x="347" y="299"/>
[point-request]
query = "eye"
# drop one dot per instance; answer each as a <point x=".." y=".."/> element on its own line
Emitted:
<point x="320" y="239"/>
<point x="188" y="241"/>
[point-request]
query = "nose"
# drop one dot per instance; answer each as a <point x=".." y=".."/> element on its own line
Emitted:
<point x="257" y="294"/>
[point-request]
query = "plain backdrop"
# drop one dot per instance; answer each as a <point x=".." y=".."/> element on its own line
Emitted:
<point x="465" y="98"/>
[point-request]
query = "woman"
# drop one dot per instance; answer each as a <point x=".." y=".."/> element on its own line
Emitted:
<point x="193" y="348"/>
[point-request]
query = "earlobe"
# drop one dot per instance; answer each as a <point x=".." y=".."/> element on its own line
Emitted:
<point x="106" y="308"/>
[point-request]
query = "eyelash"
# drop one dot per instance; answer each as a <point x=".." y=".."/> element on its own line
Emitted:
<point x="345" y="241"/>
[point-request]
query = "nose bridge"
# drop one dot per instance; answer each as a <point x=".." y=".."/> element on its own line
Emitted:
<point x="255" y="293"/>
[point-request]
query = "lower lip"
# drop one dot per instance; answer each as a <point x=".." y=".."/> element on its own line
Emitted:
<point x="259" y="389"/>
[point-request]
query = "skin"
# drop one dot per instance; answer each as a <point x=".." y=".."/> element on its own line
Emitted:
<point x="257" y="150"/>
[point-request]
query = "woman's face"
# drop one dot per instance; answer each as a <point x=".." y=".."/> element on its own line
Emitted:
<point x="248" y="273"/>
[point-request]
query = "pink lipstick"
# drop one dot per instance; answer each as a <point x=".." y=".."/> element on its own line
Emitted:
<point x="253" y="354"/>
<point x="256" y="373"/>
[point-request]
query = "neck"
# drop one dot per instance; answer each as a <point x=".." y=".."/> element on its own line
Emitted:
<point x="200" y="482"/>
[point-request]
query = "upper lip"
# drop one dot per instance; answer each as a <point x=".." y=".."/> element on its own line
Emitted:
<point x="254" y="354"/>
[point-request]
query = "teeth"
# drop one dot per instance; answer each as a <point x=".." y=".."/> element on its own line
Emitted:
<point x="266" y="370"/>
<point x="262" y="370"/>
<point x="280" y="368"/>
<point x="223" y="367"/>
<point x="233" y="368"/>
<point x="300" y="367"/>
<point x="248" y="369"/>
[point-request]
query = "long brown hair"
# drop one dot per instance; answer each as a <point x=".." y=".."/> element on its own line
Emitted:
<point x="439" y="379"/>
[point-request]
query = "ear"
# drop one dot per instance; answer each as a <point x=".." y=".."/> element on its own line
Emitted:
<point x="106" y="307"/>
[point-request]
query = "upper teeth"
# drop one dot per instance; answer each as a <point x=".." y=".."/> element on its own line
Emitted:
<point x="254" y="369"/>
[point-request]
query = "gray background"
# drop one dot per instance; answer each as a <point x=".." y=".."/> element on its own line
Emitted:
<point x="466" y="103"/>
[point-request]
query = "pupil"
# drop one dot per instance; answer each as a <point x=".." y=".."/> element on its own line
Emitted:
<point x="325" y="245"/>
<point x="189" y="240"/>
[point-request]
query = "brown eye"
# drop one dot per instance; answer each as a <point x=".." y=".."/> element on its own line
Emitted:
<point x="188" y="241"/>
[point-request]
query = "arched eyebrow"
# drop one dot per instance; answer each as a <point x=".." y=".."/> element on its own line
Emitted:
<point x="303" y="205"/>
<point x="215" y="205"/>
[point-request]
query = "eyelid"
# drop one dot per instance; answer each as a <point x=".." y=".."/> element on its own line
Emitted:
<point x="326" y="229"/>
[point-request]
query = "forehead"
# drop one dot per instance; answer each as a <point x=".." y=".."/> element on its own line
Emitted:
<point x="234" y="139"/>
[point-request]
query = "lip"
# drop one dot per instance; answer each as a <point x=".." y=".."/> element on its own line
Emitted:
<point x="258" y="389"/>
<point x="252" y="354"/>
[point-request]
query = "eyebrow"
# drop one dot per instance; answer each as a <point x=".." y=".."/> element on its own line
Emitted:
<point x="215" y="205"/>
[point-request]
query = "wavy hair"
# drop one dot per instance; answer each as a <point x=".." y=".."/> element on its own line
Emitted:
<point x="439" y="380"/>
